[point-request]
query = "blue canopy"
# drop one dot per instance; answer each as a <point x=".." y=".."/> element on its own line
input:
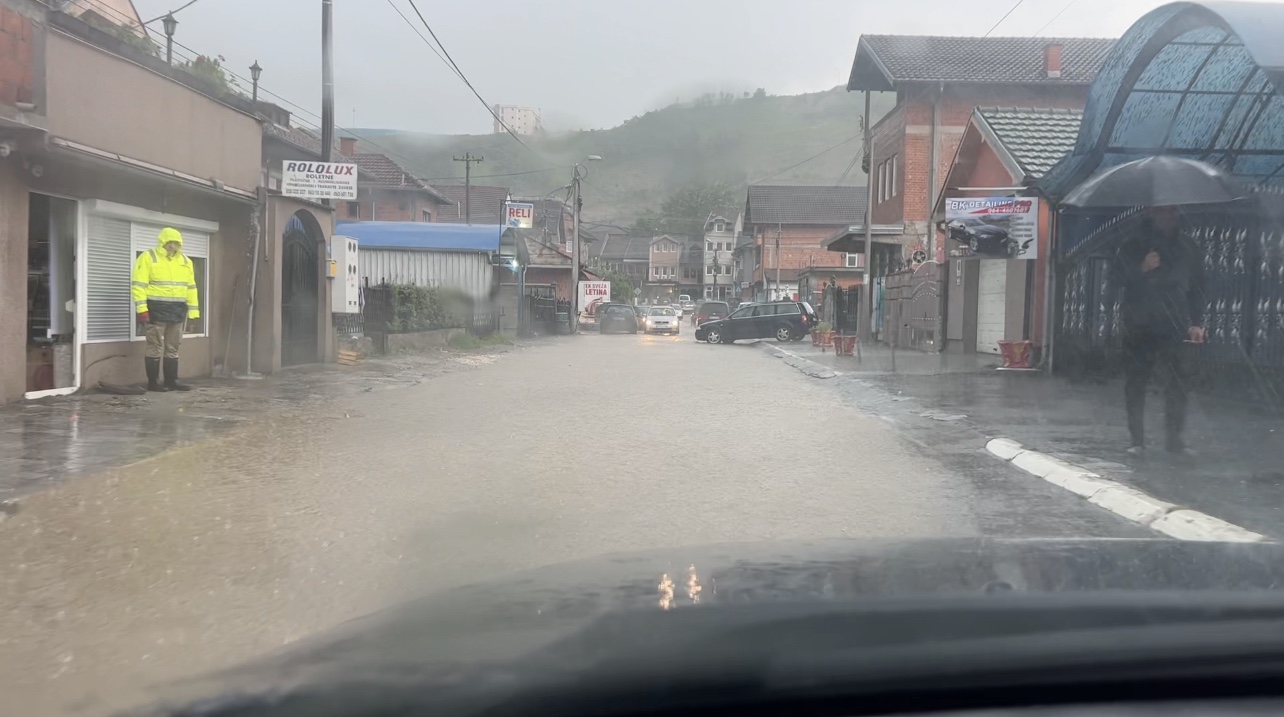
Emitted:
<point x="423" y="236"/>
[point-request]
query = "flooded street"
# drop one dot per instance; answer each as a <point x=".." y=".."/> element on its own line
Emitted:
<point x="317" y="512"/>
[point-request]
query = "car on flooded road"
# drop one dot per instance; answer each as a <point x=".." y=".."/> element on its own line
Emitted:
<point x="616" y="317"/>
<point x="711" y="311"/>
<point x="662" y="320"/>
<point x="782" y="320"/>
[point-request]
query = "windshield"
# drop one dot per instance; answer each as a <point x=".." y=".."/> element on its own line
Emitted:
<point x="306" y="318"/>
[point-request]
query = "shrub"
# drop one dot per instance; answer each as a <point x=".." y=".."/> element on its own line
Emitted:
<point x="423" y="308"/>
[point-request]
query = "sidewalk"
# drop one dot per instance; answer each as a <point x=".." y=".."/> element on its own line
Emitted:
<point x="1237" y="476"/>
<point x="46" y="442"/>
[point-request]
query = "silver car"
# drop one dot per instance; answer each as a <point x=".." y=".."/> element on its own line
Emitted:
<point x="662" y="320"/>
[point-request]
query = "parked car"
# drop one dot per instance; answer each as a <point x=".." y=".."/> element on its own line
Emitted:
<point x="641" y="312"/>
<point x="616" y="317"/>
<point x="811" y="314"/>
<point x="685" y="302"/>
<point x="711" y="311"/>
<point x="662" y="319"/>
<point x="782" y="320"/>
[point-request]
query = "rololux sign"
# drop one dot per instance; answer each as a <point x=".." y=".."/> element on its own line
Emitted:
<point x="593" y="293"/>
<point x="519" y="216"/>
<point x="319" y="180"/>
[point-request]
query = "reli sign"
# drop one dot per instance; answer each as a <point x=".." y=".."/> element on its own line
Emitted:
<point x="593" y="293"/>
<point x="992" y="227"/>
<point x="319" y="180"/>
<point x="519" y="216"/>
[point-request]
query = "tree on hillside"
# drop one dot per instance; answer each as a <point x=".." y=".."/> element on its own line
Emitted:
<point x="685" y="210"/>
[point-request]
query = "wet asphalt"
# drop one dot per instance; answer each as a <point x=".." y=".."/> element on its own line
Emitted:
<point x="315" y="512"/>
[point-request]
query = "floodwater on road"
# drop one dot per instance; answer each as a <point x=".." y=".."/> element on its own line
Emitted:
<point x="311" y="515"/>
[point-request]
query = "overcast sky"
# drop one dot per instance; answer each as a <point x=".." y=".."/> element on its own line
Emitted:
<point x="584" y="63"/>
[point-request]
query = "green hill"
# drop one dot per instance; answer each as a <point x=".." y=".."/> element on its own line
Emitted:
<point x="716" y="138"/>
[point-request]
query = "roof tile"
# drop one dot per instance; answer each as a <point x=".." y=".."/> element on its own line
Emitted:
<point x="989" y="60"/>
<point x="826" y="205"/>
<point x="1036" y="138"/>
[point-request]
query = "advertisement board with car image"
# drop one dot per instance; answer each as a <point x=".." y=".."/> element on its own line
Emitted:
<point x="992" y="227"/>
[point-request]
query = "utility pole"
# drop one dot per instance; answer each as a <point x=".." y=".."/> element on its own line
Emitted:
<point x="575" y="252"/>
<point x="777" y="264"/>
<point x="327" y="80"/>
<point x="468" y="159"/>
<point x="866" y="305"/>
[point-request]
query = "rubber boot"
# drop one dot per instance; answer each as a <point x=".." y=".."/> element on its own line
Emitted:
<point x="171" y="376"/>
<point x="153" y="366"/>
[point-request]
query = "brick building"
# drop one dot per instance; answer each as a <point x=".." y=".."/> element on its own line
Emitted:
<point x="789" y="226"/>
<point x="387" y="192"/>
<point x="484" y="205"/>
<point x="938" y="82"/>
<point x="991" y="300"/>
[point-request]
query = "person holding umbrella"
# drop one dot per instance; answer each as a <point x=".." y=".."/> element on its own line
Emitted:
<point x="1161" y="274"/>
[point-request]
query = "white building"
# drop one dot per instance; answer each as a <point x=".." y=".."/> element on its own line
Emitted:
<point x="522" y="120"/>
<point x="721" y="230"/>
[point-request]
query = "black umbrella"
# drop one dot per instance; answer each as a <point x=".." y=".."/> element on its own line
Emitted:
<point x="1156" y="182"/>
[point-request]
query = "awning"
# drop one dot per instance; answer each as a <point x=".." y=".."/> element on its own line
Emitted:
<point x="852" y="239"/>
<point x="423" y="236"/>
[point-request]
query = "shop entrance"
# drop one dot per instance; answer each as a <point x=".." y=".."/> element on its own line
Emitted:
<point x="51" y="294"/>
<point x="300" y="289"/>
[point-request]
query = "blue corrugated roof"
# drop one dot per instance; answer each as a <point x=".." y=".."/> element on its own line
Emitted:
<point x="423" y="236"/>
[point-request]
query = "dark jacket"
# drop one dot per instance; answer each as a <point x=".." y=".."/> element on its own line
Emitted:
<point x="1169" y="299"/>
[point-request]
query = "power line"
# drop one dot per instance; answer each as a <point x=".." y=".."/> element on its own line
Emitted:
<point x="1005" y="16"/>
<point x="172" y="12"/>
<point x="814" y="156"/>
<point x="421" y="37"/>
<point x="1054" y="17"/>
<point x="482" y="100"/>
<point x="850" y="165"/>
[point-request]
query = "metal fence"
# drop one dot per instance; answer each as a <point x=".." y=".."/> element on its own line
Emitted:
<point x="1243" y="247"/>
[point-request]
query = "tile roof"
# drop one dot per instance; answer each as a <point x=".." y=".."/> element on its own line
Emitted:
<point x="300" y="139"/>
<point x="486" y="204"/>
<point x="834" y="206"/>
<point x="1036" y="138"/>
<point x="621" y="247"/>
<point x="884" y="61"/>
<point x="539" y="253"/>
<point x="385" y="172"/>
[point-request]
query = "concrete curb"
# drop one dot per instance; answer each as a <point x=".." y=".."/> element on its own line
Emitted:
<point x="1129" y="503"/>
<point x="806" y="365"/>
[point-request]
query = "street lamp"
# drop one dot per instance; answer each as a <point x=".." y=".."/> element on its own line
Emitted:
<point x="255" y="73"/>
<point x="576" y="176"/>
<point x="171" y="25"/>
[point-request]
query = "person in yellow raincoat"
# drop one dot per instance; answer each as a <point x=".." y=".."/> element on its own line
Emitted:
<point x="164" y="292"/>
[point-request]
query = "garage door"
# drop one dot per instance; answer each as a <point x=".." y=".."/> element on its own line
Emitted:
<point x="990" y="305"/>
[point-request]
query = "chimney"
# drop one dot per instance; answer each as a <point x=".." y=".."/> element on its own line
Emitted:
<point x="348" y="145"/>
<point x="1052" y="61"/>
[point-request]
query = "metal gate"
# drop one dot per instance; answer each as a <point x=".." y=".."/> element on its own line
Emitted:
<point x="911" y="307"/>
<point x="300" y="283"/>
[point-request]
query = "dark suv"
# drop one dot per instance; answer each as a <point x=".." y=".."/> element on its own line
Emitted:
<point x="782" y="320"/>
<point x="710" y="311"/>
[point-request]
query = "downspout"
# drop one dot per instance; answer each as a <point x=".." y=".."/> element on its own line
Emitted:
<point x="1050" y="290"/>
<point x="257" y="226"/>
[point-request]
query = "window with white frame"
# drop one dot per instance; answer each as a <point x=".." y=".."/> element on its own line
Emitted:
<point x="882" y="182"/>
<point x="891" y="172"/>
<point x="112" y="245"/>
<point x="719" y="227"/>
<point x="854" y="261"/>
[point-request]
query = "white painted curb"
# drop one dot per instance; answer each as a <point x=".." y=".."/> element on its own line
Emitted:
<point x="1130" y="503"/>
<point x="806" y="365"/>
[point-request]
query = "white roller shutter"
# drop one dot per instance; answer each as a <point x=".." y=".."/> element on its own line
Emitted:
<point x="109" y="311"/>
<point x="991" y="304"/>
